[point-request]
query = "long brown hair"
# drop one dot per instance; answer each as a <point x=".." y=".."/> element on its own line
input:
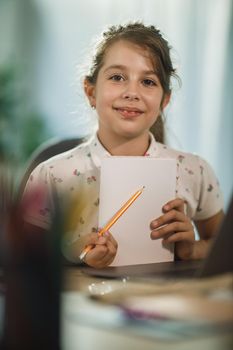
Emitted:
<point x="149" y="38"/>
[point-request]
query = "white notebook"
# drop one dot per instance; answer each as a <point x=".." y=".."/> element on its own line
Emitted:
<point x="120" y="178"/>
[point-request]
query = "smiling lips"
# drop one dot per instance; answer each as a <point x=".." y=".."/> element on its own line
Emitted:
<point x="129" y="112"/>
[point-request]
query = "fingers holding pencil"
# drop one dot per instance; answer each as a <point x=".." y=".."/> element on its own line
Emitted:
<point x="100" y="251"/>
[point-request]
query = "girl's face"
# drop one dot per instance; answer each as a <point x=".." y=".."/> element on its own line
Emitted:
<point x="127" y="95"/>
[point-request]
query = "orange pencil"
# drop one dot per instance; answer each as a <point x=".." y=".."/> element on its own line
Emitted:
<point x="112" y="221"/>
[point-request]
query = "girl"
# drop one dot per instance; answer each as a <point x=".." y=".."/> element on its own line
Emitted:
<point x="129" y="85"/>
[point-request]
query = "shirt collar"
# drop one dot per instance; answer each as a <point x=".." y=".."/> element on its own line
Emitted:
<point x="153" y="149"/>
<point x="98" y="151"/>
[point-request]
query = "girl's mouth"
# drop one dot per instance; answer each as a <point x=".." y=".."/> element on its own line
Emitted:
<point x="127" y="112"/>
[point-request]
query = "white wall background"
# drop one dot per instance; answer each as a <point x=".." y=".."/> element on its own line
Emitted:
<point x="52" y="37"/>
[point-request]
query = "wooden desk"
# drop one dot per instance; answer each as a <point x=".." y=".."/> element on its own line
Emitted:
<point x="89" y="324"/>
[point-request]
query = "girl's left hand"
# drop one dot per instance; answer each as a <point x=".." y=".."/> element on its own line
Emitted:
<point x="175" y="227"/>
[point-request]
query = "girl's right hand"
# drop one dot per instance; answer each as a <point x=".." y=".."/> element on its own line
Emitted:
<point x="103" y="252"/>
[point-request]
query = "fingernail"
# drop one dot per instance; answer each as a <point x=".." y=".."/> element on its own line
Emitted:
<point x="101" y="240"/>
<point x="106" y="233"/>
<point x="166" y="207"/>
<point x="154" y="235"/>
<point x="155" y="223"/>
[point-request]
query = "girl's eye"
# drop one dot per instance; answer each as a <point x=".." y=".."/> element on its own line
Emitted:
<point x="149" y="82"/>
<point x="116" y="77"/>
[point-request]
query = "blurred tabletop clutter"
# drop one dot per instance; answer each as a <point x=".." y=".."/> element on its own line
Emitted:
<point x="136" y="313"/>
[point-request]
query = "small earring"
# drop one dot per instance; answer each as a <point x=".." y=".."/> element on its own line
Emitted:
<point x="92" y="107"/>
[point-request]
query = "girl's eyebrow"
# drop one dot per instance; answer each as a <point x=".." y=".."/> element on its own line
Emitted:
<point x="122" y="67"/>
<point x="115" y="66"/>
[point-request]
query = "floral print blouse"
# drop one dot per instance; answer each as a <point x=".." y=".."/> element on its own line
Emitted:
<point x="74" y="176"/>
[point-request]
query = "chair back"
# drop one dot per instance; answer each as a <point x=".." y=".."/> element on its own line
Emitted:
<point x="45" y="151"/>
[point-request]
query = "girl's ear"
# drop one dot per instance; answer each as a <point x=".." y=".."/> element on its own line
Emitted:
<point x="90" y="92"/>
<point x="165" y="101"/>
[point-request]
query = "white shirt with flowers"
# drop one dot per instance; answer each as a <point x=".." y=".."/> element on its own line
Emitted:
<point x="75" y="177"/>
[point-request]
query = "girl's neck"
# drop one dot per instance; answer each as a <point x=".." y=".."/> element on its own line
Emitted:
<point x="136" y="146"/>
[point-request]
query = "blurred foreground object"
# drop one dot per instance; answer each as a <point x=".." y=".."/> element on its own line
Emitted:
<point x="31" y="265"/>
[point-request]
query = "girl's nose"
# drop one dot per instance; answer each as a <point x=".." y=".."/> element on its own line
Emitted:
<point x="130" y="96"/>
<point x="131" y="93"/>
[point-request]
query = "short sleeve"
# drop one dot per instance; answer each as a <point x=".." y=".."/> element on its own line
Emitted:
<point x="38" y="192"/>
<point x="210" y="200"/>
